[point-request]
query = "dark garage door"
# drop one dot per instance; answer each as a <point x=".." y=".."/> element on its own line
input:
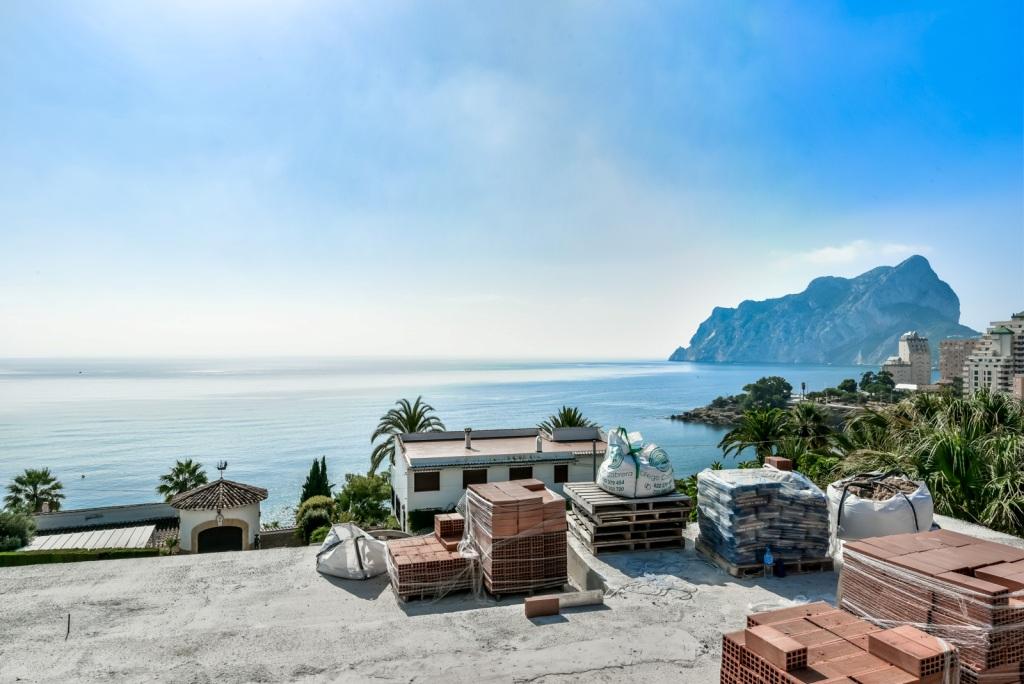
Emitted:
<point x="223" y="538"/>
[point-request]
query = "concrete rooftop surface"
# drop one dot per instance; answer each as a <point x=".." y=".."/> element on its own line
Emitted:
<point x="267" y="616"/>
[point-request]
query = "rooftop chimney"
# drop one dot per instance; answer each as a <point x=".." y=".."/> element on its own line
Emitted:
<point x="540" y="444"/>
<point x="469" y="438"/>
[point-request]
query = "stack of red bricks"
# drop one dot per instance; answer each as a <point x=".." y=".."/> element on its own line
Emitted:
<point x="518" y="529"/>
<point x="963" y="590"/>
<point x="430" y="565"/>
<point x="818" y="643"/>
<point x="449" y="528"/>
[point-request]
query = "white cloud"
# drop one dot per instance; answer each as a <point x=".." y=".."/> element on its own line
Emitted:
<point x="855" y="251"/>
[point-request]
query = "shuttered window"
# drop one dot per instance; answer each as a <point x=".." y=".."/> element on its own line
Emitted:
<point x="427" y="482"/>
<point x="520" y="473"/>
<point x="470" y="477"/>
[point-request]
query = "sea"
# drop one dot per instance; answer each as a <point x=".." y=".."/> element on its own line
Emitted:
<point x="109" y="428"/>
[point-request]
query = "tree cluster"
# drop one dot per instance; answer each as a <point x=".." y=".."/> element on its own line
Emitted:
<point x="968" y="450"/>
<point x="772" y="391"/>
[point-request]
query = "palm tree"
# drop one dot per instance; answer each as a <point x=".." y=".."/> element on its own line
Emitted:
<point x="405" y="418"/>
<point x="185" y="475"/>
<point x="969" y="451"/>
<point x="810" y="425"/>
<point x="33" y="488"/>
<point x="566" y="417"/>
<point x="761" y="429"/>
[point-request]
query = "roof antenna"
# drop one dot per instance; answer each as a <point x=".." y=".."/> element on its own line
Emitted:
<point x="222" y="466"/>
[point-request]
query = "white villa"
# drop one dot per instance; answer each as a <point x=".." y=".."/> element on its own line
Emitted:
<point x="222" y="515"/>
<point x="433" y="469"/>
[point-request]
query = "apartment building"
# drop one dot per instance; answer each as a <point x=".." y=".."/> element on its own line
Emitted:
<point x="913" y="364"/>
<point x="953" y="357"/>
<point x="998" y="358"/>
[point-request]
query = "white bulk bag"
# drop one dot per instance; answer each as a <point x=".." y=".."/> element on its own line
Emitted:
<point x="350" y="553"/>
<point x="852" y="517"/>
<point x="633" y="469"/>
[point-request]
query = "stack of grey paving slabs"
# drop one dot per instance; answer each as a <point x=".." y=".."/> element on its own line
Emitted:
<point x="743" y="512"/>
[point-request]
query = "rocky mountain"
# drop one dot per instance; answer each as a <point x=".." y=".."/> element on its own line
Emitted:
<point x="835" y="320"/>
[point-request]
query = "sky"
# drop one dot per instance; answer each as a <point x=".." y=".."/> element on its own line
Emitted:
<point x="489" y="179"/>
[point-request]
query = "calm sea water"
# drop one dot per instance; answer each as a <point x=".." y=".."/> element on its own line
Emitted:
<point x="108" y="429"/>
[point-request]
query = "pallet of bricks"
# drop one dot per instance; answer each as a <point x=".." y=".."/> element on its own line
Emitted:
<point x="742" y="513"/>
<point x="961" y="589"/>
<point x="609" y="522"/>
<point x="517" y="531"/>
<point x="431" y="565"/>
<point x="818" y="643"/>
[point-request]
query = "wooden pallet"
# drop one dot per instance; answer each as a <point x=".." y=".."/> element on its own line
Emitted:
<point x="666" y="516"/>
<point x="793" y="567"/>
<point x="624" y="541"/>
<point x="605" y="508"/>
<point x="625" y="529"/>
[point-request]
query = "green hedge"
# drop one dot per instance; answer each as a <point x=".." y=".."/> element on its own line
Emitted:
<point x="10" y="558"/>
<point x="422" y="520"/>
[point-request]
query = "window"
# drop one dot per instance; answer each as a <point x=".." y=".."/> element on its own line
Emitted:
<point x="561" y="473"/>
<point x="474" y="477"/>
<point x="520" y="473"/>
<point x="427" y="482"/>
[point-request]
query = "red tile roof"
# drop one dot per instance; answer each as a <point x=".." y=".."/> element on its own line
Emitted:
<point x="219" y="495"/>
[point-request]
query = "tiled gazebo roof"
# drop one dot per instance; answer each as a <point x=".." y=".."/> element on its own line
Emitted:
<point x="219" y="495"/>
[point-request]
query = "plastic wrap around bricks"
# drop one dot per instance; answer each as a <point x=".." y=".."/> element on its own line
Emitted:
<point x="958" y="588"/>
<point x="818" y="643"/>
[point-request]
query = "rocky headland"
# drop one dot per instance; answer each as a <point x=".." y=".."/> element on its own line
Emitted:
<point x="834" y="321"/>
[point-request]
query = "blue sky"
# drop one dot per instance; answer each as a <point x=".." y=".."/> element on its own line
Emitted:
<point x="572" y="179"/>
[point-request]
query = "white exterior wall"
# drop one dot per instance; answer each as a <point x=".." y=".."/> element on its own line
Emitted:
<point x="190" y="519"/>
<point x="402" y="486"/>
<point x="583" y="469"/>
<point x="451" y="490"/>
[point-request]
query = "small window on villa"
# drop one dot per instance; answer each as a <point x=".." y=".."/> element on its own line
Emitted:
<point x="520" y="473"/>
<point x="427" y="482"/>
<point x="561" y="473"/>
<point x="474" y="477"/>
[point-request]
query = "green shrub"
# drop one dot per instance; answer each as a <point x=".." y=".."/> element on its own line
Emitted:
<point x="314" y="502"/>
<point x="12" y="558"/>
<point x="319" y="534"/>
<point x="422" y="520"/>
<point x="16" y="530"/>
<point x="314" y="512"/>
<point x="366" y="498"/>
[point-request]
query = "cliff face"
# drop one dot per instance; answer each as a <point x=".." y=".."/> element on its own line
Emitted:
<point x="835" y="320"/>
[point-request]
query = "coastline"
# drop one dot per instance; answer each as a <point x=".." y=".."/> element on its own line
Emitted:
<point x="709" y="415"/>
<point x="730" y="416"/>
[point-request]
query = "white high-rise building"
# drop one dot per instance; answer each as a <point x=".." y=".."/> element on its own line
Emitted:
<point x="913" y="365"/>
<point x="998" y="357"/>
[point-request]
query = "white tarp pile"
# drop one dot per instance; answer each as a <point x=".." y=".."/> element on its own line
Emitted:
<point x="877" y="505"/>
<point x="634" y="469"/>
<point x="350" y="553"/>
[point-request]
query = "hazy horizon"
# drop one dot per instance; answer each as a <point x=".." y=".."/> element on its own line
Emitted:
<point x="488" y="181"/>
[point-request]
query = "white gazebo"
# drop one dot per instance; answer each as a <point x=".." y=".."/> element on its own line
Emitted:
<point x="223" y="515"/>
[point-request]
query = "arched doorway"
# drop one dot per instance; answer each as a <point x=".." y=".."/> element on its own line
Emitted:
<point x="220" y="538"/>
